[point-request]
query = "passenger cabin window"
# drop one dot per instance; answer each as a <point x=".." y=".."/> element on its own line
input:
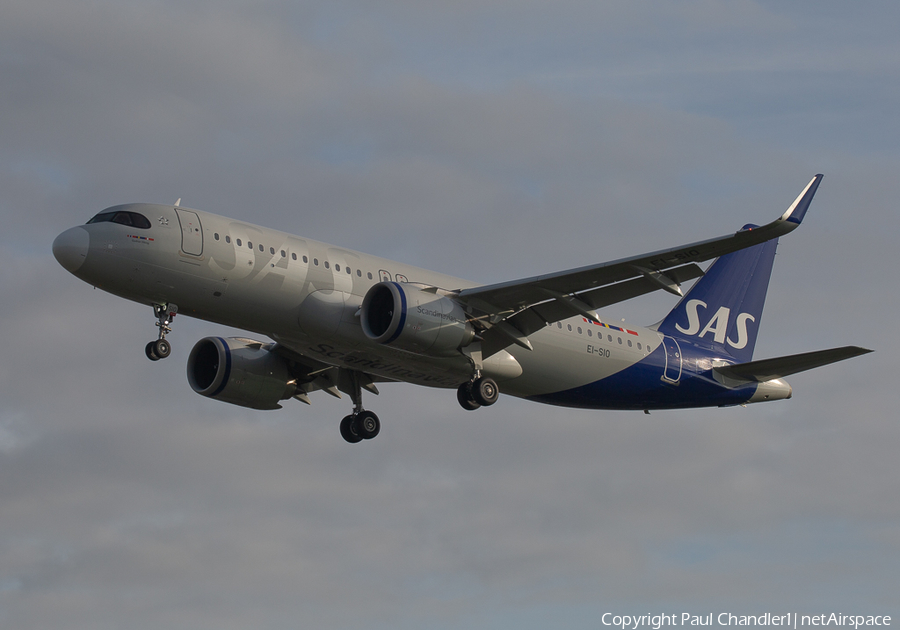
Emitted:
<point x="132" y="219"/>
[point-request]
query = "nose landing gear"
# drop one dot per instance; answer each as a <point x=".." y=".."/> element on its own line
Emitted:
<point x="160" y="349"/>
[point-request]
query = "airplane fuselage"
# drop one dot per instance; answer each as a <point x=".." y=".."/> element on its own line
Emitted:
<point x="306" y="296"/>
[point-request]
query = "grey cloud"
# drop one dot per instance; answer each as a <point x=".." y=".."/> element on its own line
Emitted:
<point x="490" y="141"/>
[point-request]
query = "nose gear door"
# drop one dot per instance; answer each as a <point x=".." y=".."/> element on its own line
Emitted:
<point x="191" y="233"/>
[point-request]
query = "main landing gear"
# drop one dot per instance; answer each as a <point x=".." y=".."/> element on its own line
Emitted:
<point x="482" y="391"/>
<point x="361" y="424"/>
<point x="160" y="349"/>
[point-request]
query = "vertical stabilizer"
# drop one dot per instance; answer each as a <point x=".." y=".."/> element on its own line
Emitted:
<point x="723" y="310"/>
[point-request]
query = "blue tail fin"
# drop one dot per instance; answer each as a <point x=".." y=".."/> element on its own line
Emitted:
<point x="724" y="309"/>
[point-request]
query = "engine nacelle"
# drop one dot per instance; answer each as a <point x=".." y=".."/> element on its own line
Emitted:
<point x="423" y="322"/>
<point x="239" y="371"/>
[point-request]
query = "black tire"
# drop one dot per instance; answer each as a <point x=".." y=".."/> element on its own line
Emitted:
<point x="464" y="396"/>
<point x="162" y="348"/>
<point x="150" y="351"/>
<point x="367" y="425"/>
<point x="349" y="430"/>
<point x="485" y="391"/>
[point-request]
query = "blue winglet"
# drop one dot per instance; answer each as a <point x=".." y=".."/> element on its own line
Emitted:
<point x="798" y="209"/>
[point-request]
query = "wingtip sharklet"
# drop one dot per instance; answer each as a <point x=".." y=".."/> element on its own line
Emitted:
<point x="797" y="210"/>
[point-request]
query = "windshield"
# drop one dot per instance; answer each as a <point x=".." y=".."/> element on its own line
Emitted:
<point x="132" y="219"/>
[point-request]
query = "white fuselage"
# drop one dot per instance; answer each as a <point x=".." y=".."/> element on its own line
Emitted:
<point x="306" y="295"/>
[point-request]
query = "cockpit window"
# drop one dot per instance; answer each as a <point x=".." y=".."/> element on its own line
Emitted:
<point x="103" y="216"/>
<point x="132" y="219"/>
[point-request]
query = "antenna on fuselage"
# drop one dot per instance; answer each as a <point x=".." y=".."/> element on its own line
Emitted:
<point x="178" y="203"/>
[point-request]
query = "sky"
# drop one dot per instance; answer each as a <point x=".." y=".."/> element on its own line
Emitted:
<point x="490" y="140"/>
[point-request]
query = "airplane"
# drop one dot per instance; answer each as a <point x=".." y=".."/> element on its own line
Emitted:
<point x="338" y="320"/>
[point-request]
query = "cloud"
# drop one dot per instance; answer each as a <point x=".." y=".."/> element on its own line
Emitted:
<point x="487" y="140"/>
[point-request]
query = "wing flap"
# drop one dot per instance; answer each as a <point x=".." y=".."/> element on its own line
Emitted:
<point x="312" y="375"/>
<point x="536" y="317"/>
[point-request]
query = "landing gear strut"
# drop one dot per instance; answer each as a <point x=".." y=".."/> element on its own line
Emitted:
<point x="361" y="424"/>
<point x="160" y="349"/>
<point x="482" y="391"/>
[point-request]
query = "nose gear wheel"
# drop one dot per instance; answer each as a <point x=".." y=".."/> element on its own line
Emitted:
<point x="159" y="349"/>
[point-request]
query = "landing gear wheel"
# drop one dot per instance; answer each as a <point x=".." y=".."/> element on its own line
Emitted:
<point x="162" y="348"/>
<point x="349" y="430"/>
<point x="367" y="425"/>
<point x="485" y="391"/>
<point x="464" y="396"/>
<point x="150" y="351"/>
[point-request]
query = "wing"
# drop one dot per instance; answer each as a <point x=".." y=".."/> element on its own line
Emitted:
<point x="312" y="375"/>
<point x="510" y="311"/>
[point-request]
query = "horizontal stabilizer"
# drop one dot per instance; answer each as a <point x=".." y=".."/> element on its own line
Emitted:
<point x="779" y="367"/>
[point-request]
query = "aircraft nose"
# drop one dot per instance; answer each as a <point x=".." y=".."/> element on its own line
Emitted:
<point x="71" y="247"/>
